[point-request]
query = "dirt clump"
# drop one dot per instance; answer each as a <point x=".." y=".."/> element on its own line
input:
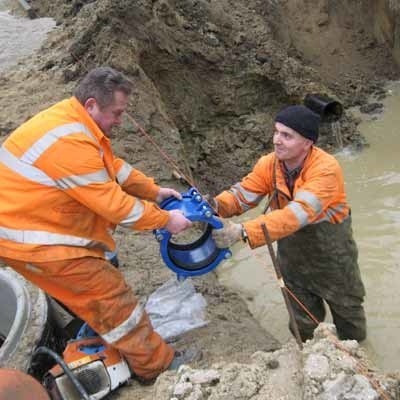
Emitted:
<point x="326" y="369"/>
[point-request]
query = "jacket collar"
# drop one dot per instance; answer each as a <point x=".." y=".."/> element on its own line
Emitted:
<point x="87" y="119"/>
<point x="281" y="183"/>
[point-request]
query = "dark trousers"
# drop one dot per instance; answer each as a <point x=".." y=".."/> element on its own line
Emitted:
<point x="347" y="312"/>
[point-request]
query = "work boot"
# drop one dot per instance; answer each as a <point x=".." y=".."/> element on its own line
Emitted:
<point x="185" y="357"/>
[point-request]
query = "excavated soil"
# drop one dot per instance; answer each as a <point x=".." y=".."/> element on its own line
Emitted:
<point x="209" y="77"/>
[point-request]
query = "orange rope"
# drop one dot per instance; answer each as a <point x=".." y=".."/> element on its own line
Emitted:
<point x="308" y="312"/>
<point x="161" y="151"/>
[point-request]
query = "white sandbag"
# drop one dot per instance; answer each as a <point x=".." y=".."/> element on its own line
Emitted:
<point x="175" y="308"/>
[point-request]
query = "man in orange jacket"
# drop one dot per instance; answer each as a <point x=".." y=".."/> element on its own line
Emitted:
<point x="62" y="192"/>
<point x="309" y="218"/>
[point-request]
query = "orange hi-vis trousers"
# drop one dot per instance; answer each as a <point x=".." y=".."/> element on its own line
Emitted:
<point x="97" y="293"/>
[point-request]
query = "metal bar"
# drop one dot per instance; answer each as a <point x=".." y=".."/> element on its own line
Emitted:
<point x="282" y="286"/>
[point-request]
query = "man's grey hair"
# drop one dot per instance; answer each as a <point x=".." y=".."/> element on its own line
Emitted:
<point x="101" y="84"/>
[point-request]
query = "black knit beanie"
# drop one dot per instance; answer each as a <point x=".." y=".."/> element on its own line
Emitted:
<point x="301" y="119"/>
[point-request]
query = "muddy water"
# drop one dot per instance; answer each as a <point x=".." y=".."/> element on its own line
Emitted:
<point x="19" y="36"/>
<point x="373" y="187"/>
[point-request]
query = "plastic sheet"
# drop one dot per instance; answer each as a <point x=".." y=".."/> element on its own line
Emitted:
<point x="175" y="308"/>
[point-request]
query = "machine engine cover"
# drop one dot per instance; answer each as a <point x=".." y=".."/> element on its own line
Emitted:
<point x="99" y="368"/>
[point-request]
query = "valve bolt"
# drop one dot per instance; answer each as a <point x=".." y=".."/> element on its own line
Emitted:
<point x="208" y="214"/>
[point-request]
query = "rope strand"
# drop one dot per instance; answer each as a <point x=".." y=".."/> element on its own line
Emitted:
<point x="162" y="152"/>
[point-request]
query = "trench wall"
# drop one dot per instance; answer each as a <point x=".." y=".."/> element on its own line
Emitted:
<point x="387" y="25"/>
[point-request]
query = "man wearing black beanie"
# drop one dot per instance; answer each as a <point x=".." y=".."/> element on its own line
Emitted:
<point x="310" y="219"/>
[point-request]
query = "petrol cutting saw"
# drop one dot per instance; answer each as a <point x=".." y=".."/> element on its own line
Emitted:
<point x="90" y="369"/>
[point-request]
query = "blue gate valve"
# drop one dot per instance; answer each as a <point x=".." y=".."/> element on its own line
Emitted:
<point x="200" y="256"/>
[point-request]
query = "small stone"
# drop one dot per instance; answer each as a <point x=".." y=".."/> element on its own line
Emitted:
<point x="197" y="394"/>
<point x="372" y="108"/>
<point x="323" y="19"/>
<point x="209" y="376"/>
<point x="354" y="387"/>
<point x="351" y="346"/>
<point x="211" y="39"/>
<point x="273" y="364"/>
<point x="182" y="389"/>
<point x="266" y="359"/>
<point x="317" y="367"/>
<point x="324" y="330"/>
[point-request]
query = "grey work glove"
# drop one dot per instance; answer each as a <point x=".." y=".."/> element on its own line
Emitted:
<point x="228" y="235"/>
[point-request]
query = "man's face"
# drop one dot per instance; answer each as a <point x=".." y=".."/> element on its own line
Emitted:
<point x="108" y="117"/>
<point x="289" y="145"/>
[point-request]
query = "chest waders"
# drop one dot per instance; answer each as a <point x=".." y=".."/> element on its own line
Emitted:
<point x="319" y="262"/>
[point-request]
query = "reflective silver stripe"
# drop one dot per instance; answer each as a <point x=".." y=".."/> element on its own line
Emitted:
<point x="326" y="218"/>
<point x="135" y="214"/>
<point x="339" y="208"/>
<point x="311" y="199"/>
<point x="244" y="206"/>
<point x="299" y="212"/>
<point x="127" y="326"/>
<point x="331" y="212"/>
<point x="72" y="181"/>
<point x="250" y="197"/>
<point x="35" y="174"/>
<point x="47" y="238"/>
<point x="49" y="138"/>
<point x="25" y="170"/>
<point x="123" y="173"/>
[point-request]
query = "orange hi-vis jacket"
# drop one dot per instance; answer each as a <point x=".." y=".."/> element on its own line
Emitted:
<point x="62" y="191"/>
<point x="318" y="195"/>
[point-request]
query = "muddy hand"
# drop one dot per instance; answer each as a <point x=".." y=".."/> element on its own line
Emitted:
<point x="229" y="234"/>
